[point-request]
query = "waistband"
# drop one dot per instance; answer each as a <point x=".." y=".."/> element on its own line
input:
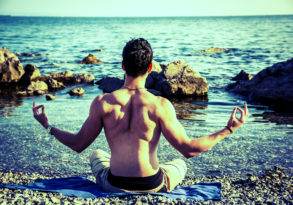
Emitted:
<point x="136" y="183"/>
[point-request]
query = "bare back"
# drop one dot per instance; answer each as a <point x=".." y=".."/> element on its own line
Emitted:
<point x="132" y="130"/>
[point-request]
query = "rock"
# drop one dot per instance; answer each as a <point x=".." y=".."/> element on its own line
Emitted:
<point x="279" y="118"/>
<point x="213" y="50"/>
<point x="54" y="85"/>
<point x="22" y="93"/>
<point x="37" y="88"/>
<point x="152" y="79"/>
<point x="156" y="67"/>
<point x="183" y="81"/>
<point x="155" y="92"/>
<point x="50" y="97"/>
<point x="84" y="78"/>
<point x="28" y="54"/>
<point x="110" y="84"/>
<point x="11" y="69"/>
<point x="93" y="50"/>
<point x="76" y="92"/>
<point x="91" y="59"/>
<point x="242" y="76"/>
<point x="272" y="86"/>
<point x="31" y="73"/>
<point x="66" y="77"/>
<point x="177" y="79"/>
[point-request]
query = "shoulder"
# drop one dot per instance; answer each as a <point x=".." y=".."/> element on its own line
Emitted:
<point x="100" y="103"/>
<point x="165" y="103"/>
<point x="165" y="107"/>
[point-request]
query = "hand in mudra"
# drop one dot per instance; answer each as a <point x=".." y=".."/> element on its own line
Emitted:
<point x="40" y="115"/>
<point x="236" y="122"/>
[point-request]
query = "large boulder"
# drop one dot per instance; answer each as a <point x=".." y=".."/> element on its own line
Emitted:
<point x="182" y="80"/>
<point x="11" y="69"/>
<point x="175" y="80"/>
<point x="35" y="88"/>
<point x="91" y="59"/>
<point x="156" y="67"/>
<point x="271" y="86"/>
<point x="110" y="84"/>
<point x="31" y="73"/>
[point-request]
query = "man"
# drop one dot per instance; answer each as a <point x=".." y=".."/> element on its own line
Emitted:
<point x="133" y="120"/>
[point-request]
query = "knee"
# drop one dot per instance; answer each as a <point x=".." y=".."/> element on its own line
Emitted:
<point x="182" y="164"/>
<point x="98" y="153"/>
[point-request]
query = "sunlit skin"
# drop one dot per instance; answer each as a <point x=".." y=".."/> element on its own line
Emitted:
<point x="133" y="120"/>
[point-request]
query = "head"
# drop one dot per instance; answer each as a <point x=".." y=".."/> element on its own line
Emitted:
<point x="137" y="57"/>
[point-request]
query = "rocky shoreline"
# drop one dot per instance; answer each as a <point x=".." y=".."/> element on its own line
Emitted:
<point x="269" y="187"/>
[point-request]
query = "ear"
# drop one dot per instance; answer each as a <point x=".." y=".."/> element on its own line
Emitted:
<point x="123" y="68"/>
<point x="150" y="67"/>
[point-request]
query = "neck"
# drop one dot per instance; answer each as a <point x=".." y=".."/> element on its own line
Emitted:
<point x="134" y="83"/>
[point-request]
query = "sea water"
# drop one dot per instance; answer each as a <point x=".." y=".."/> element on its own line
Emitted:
<point x="58" y="44"/>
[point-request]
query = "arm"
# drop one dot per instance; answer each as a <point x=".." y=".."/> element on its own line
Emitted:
<point x="90" y="129"/>
<point x="176" y="135"/>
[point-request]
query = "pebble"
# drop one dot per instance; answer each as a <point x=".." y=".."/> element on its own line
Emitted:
<point x="272" y="187"/>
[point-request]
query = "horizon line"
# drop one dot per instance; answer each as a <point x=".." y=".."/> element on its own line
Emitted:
<point x="255" y="15"/>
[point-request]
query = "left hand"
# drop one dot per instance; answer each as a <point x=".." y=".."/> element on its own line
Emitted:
<point x="40" y="115"/>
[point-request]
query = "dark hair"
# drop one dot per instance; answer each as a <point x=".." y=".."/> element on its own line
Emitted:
<point x="137" y="55"/>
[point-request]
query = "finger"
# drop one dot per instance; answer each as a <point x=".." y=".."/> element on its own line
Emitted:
<point x="245" y="109"/>
<point x="242" y="114"/>
<point x="233" y="114"/>
<point x="38" y="107"/>
<point x="43" y="109"/>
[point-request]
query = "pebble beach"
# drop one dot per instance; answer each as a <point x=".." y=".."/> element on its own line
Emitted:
<point x="269" y="187"/>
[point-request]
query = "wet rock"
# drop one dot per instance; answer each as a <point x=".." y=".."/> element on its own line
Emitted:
<point x="279" y="118"/>
<point x="69" y="78"/>
<point x="183" y="81"/>
<point x="76" y="92"/>
<point x="242" y="76"/>
<point x="50" y="97"/>
<point x="93" y="50"/>
<point x="28" y="54"/>
<point x="21" y="93"/>
<point x="66" y="77"/>
<point x="91" y="59"/>
<point x="54" y="85"/>
<point x="152" y="79"/>
<point x="155" y="92"/>
<point x="31" y="73"/>
<point x="213" y="50"/>
<point x="156" y="67"/>
<point x="11" y="69"/>
<point x="272" y="86"/>
<point x="110" y="84"/>
<point x="176" y="80"/>
<point x="37" y="88"/>
<point x="84" y="78"/>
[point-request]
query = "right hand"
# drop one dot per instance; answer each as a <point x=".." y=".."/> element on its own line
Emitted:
<point x="234" y="123"/>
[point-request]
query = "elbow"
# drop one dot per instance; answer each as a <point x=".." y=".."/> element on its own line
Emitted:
<point x="195" y="153"/>
<point x="77" y="149"/>
<point x="188" y="155"/>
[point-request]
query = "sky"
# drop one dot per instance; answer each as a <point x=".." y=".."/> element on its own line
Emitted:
<point x="145" y="7"/>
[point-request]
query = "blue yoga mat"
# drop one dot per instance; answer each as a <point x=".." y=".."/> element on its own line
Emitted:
<point x="84" y="188"/>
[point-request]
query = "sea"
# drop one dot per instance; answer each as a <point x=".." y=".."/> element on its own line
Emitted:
<point x="59" y="43"/>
